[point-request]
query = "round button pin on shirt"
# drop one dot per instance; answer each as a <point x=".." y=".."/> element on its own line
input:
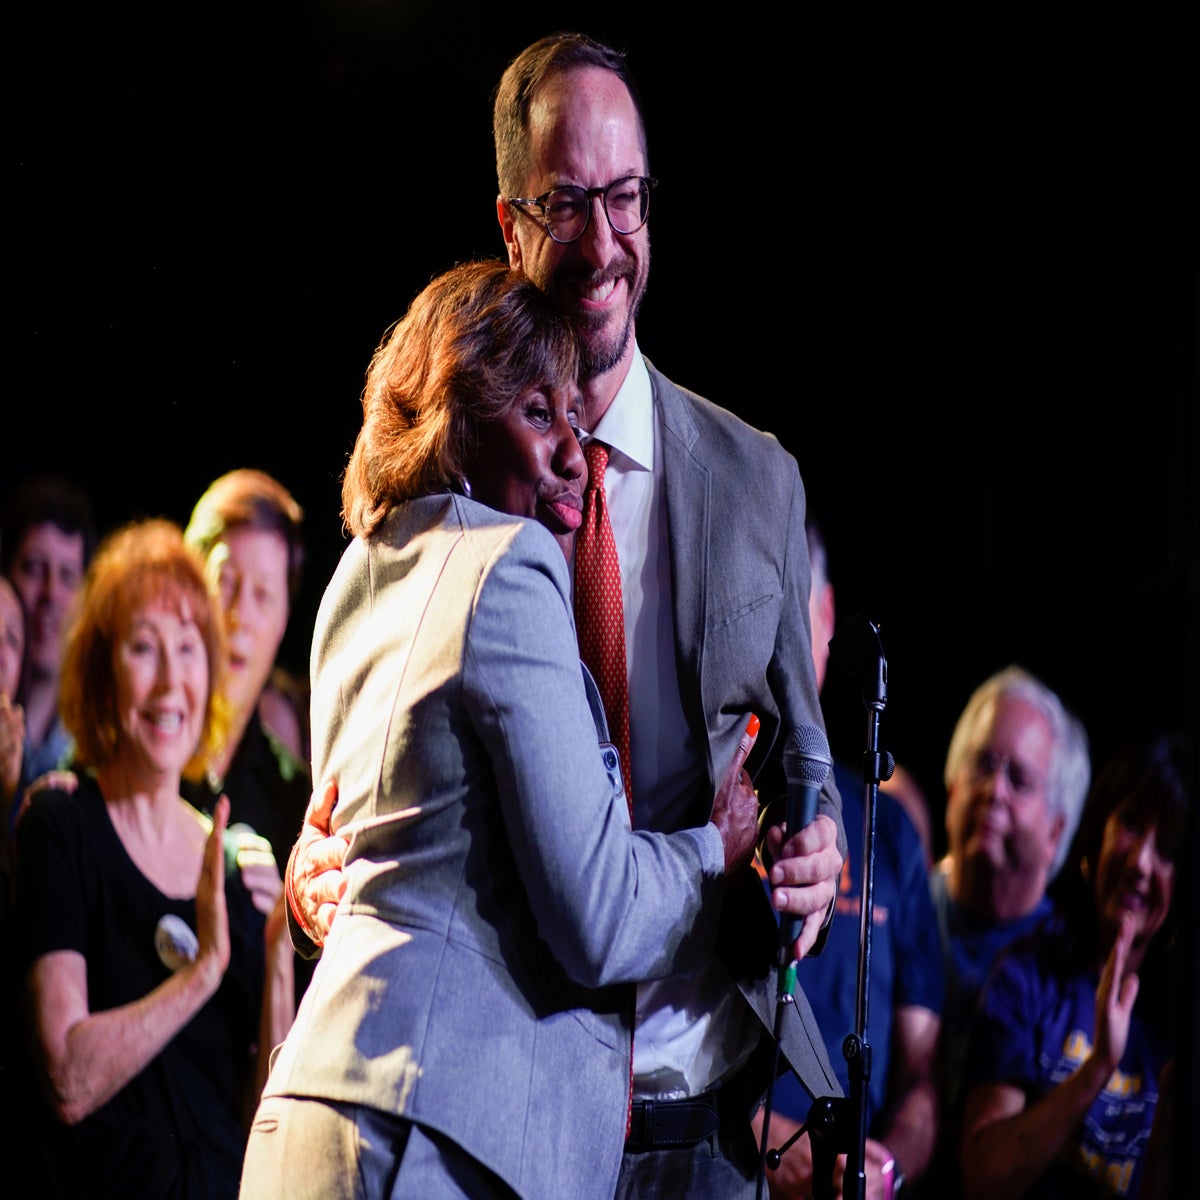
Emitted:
<point x="175" y="943"/>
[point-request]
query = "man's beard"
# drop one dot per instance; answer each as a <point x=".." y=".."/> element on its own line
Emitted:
<point x="597" y="355"/>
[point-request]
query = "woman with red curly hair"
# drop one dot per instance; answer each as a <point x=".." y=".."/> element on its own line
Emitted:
<point x="149" y="982"/>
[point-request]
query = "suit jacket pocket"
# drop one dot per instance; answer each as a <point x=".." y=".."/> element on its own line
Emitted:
<point x="743" y="631"/>
<point x="738" y="608"/>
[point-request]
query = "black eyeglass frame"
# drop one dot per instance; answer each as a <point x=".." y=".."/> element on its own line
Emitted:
<point x="522" y="203"/>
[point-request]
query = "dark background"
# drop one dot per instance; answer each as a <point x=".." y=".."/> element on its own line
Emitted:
<point x="953" y="267"/>
<point x="953" y="270"/>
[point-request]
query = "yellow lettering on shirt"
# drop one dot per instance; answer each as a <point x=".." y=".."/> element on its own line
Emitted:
<point x="1077" y="1046"/>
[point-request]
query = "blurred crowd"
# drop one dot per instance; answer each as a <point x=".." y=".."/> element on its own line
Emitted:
<point x="150" y="743"/>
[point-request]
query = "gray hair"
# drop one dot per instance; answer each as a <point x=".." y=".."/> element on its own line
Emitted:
<point x="1070" y="764"/>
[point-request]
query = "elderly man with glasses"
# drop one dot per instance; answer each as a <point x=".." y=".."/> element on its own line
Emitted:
<point x="703" y="519"/>
<point x="1017" y="774"/>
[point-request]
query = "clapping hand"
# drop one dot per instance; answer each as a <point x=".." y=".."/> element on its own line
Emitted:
<point x="212" y="920"/>
<point x="1115" y="998"/>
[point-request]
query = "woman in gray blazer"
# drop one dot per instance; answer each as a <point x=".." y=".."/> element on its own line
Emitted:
<point x="466" y="1032"/>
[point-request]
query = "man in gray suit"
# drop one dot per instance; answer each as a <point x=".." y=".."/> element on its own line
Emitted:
<point x="708" y="519"/>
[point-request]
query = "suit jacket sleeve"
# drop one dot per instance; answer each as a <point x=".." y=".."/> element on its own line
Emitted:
<point x="613" y="906"/>
<point x="741" y="580"/>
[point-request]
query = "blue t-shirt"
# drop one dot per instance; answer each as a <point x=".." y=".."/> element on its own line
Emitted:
<point x="906" y="962"/>
<point x="1035" y="1024"/>
<point x="970" y="948"/>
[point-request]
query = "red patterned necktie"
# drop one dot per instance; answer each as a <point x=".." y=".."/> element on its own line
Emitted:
<point x="600" y="626"/>
<point x="599" y="611"/>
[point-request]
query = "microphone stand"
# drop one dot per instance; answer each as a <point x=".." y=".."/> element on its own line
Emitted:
<point x="785" y="986"/>
<point x="838" y="1125"/>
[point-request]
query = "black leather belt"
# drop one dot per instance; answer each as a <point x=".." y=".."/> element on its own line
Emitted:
<point x="672" y="1124"/>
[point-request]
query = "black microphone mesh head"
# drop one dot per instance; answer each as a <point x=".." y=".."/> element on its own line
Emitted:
<point x="806" y="757"/>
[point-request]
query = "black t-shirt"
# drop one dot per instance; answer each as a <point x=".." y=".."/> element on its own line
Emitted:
<point x="268" y="789"/>
<point x="176" y="1129"/>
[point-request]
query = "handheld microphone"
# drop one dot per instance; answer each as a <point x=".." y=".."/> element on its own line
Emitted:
<point x="806" y="763"/>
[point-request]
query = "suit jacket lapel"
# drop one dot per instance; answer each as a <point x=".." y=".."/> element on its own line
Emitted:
<point x="748" y="938"/>
<point x="687" y="484"/>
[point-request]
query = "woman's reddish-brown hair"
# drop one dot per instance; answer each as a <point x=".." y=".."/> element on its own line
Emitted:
<point x="143" y="562"/>
<point x="471" y="342"/>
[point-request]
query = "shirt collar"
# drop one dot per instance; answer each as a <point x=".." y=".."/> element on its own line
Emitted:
<point x="628" y="425"/>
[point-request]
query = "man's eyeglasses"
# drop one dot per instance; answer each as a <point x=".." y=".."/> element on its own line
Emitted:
<point x="1021" y="779"/>
<point x="565" y="211"/>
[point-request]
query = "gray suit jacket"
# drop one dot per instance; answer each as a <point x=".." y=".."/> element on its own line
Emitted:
<point x="496" y="899"/>
<point x="740" y="579"/>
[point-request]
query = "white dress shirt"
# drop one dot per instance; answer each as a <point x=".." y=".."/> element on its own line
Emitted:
<point x="691" y="1033"/>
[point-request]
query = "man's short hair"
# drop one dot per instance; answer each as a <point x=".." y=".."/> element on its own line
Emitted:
<point x="520" y="83"/>
<point x="45" y="500"/>
<point x="1070" y="765"/>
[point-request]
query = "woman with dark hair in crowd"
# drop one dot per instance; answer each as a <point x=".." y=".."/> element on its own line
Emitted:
<point x="1063" y="1065"/>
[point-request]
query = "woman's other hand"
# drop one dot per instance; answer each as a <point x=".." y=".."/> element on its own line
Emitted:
<point x="314" y="879"/>
<point x="735" y="808"/>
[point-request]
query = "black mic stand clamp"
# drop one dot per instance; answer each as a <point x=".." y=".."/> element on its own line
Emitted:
<point x="832" y="1128"/>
